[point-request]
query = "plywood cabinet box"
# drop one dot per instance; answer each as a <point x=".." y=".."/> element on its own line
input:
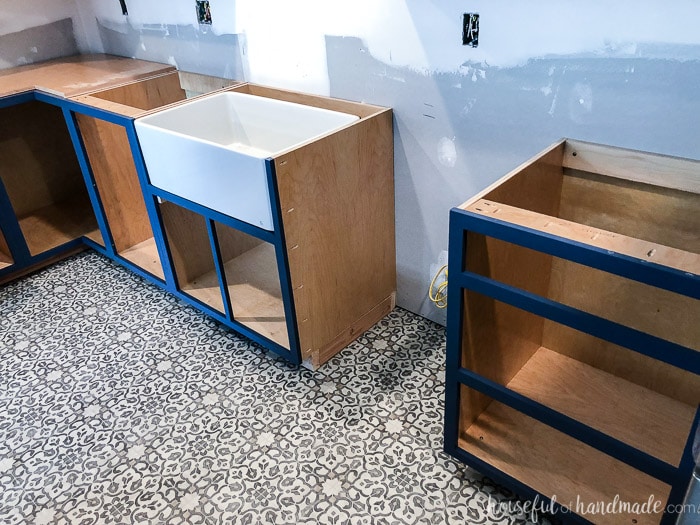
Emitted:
<point x="574" y="330"/>
<point x="304" y="287"/>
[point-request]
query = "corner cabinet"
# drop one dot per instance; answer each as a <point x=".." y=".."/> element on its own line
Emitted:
<point x="303" y="284"/>
<point x="573" y="350"/>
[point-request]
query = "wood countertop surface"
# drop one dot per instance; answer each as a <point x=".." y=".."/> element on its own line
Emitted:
<point x="75" y="75"/>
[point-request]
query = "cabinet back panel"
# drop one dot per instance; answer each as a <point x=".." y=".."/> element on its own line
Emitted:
<point x="146" y="94"/>
<point x="117" y="182"/>
<point x="38" y="165"/>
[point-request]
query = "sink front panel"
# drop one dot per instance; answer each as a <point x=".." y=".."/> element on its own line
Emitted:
<point x="212" y="150"/>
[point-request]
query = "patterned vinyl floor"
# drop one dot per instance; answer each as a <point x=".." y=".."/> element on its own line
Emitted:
<point x="120" y="404"/>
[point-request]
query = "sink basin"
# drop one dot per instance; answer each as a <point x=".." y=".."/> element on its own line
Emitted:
<point x="212" y="150"/>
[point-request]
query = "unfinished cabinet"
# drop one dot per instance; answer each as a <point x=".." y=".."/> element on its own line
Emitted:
<point x="107" y="136"/>
<point x="227" y="271"/>
<point x="574" y="330"/>
<point x="278" y="213"/>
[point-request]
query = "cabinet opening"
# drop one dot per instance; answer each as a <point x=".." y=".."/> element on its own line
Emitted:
<point x="555" y="464"/>
<point x="119" y="189"/>
<point x="655" y="311"/>
<point x="189" y="243"/>
<point x="252" y="283"/>
<point x="42" y="177"/>
<point x="5" y="256"/>
<point x="647" y="404"/>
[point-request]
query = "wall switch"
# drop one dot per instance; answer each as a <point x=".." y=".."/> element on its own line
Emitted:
<point x="203" y="12"/>
<point x="470" y="29"/>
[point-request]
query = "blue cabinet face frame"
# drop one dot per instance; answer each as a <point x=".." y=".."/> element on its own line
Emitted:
<point x="23" y="259"/>
<point x="338" y="273"/>
<point x="462" y="280"/>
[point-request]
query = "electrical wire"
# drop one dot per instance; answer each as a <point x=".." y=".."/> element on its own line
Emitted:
<point x="439" y="298"/>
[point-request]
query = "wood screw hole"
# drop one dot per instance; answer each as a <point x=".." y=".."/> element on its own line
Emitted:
<point x="574" y="154"/>
<point x="651" y="252"/>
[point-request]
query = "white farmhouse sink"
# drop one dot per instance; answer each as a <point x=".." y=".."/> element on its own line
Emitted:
<point x="212" y="150"/>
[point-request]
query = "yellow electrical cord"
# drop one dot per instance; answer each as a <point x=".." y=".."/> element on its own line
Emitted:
<point x="439" y="299"/>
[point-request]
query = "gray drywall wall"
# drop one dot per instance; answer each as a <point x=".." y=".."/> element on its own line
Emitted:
<point x="37" y="43"/>
<point x="186" y="46"/>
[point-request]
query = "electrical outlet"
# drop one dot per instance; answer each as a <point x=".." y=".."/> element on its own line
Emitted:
<point x="470" y="29"/>
<point x="203" y="12"/>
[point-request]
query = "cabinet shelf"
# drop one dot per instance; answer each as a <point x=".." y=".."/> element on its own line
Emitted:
<point x="145" y="255"/>
<point x="555" y="464"/>
<point x="253" y="286"/>
<point x="640" y="417"/>
<point x="59" y="223"/>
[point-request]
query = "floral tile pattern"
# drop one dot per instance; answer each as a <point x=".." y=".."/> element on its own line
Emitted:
<point x="121" y="405"/>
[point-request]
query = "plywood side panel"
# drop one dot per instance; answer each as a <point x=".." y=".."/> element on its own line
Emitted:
<point x="651" y="213"/>
<point x="39" y="166"/>
<point x="146" y="94"/>
<point x="117" y="182"/>
<point x="535" y="187"/>
<point x="188" y="239"/>
<point x="337" y="200"/>
<point x="499" y="339"/>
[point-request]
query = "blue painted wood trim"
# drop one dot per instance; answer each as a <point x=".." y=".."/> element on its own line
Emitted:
<point x="685" y="471"/>
<point x="646" y="344"/>
<point x="236" y="224"/>
<point x="294" y="352"/>
<point x="455" y="317"/>
<point x="219" y="266"/>
<point x="580" y="431"/>
<point x="88" y="176"/>
<point x="151" y="208"/>
<point x="646" y="272"/>
<point x="19" y="98"/>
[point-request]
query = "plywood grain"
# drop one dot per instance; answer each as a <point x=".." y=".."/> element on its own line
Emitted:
<point x="145" y="256"/>
<point x="146" y="94"/>
<point x="631" y="165"/>
<point x="117" y="182"/>
<point x="39" y="165"/>
<point x="70" y="76"/>
<point x="555" y="464"/>
<point x="640" y="417"/>
<point x="337" y="200"/>
<point x="680" y="259"/>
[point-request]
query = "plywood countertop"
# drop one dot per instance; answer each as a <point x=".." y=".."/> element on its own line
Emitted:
<point x="75" y="75"/>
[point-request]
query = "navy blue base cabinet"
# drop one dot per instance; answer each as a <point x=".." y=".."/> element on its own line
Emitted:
<point x="573" y="332"/>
